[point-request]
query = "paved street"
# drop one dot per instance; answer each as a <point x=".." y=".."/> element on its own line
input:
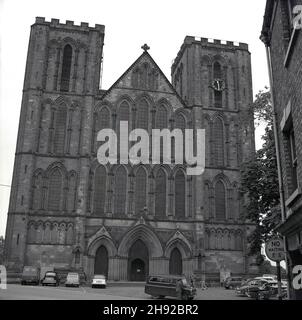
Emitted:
<point x="114" y="292"/>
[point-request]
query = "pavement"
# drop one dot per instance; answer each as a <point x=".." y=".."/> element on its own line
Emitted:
<point x="112" y="292"/>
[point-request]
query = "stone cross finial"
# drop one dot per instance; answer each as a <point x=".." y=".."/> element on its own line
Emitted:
<point x="145" y="47"/>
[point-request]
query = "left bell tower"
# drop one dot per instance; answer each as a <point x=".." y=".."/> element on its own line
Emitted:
<point x="61" y="80"/>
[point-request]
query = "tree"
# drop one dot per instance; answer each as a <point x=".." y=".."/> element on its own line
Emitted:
<point x="260" y="179"/>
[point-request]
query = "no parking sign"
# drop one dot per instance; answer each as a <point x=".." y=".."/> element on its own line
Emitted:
<point x="274" y="249"/>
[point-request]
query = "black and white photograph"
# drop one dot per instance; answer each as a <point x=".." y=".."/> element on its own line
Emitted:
<point x="150" y="151"/>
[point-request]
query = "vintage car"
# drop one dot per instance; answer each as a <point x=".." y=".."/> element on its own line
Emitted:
<point x="72" y="280"/>
<point x="159" y="286"/>
<point x="98" y="280"/>
<point x="50" y="279"/>
<point x="30" y="275"/>
<point x="232" y="282"/>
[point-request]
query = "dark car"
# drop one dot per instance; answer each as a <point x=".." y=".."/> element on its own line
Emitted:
<point x="232" y="282"/>
<point x="256" y="286"/>
<point x="50" y="279"/>
<point x="30" y="275"/>
<point x="242" y="289"/>
<point x="159" y="286"/>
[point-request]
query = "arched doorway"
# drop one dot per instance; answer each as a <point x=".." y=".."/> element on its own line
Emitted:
<point x="138" y="261"/>
<point x="101" y="261"/>
<point x="175" y="263"/>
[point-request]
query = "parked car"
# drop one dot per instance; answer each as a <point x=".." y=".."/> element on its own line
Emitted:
<point x="51" y="279"/>
<point x="267" y="278"/>
<point x="30" y="275"/>
<point x="99" y="280"/>
<point x="242" y="289"/>
<point x="256" y="286"/>
<point x="232" y="282"/>
<point x="72" y="279"/>
<point x="159" y="286"/>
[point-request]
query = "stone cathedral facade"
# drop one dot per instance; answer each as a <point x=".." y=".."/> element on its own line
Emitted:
<point x="69" y="212"/>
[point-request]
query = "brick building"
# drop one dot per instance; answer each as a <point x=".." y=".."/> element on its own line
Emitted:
<point x="68" y="211"/>
<point x="284" y="44"/>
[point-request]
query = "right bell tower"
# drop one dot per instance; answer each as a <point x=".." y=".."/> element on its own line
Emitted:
<point x="214" y="79"/>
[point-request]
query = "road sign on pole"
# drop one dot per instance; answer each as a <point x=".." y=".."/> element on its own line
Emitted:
<point x="274" y="249"/>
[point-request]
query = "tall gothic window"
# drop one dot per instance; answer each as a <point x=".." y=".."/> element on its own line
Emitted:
<point x="55" y="190"/>
<point x="160" y="194"/>
<point x="72" y="192"/>
<point x="217" y="72"/>
<point x="161" y="122"/>
<point x="140" y="190"/>
<point x="99" y="190"/>
<point x="123" y="115"/>
<point x="120" y="190"/>
<point x="66" y="68"/>
<point x="101" y="121"/>
<point x="180" y="123"/>
<point x="218" y="142"/>
<point x="220" y="201"/>
<point x="142" y="116"/>
<point x="180" y="195"/>
<point x="60" y="129"/>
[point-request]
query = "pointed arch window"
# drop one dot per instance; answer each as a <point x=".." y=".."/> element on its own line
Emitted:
<point x="218" y="142"/>
<point x="101" y="121"/>
<point x="217" y="74"/>
<point x="175" y="263"/>
<point x="60" y="130"/>
<point x="142" y="115"/>
<point x="140" y="190"/>
<point x="161" y="122"/>
<point x="99" y="198"/>
<point x="66" y="68"/>
<point x="120" y="190"/>
<point x="160" y="194"/>
<point x="55" y="190"/>
<point x="180" y="195"/>
<point x="220" y="201"/>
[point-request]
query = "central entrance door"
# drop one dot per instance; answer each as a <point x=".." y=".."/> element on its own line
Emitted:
<point x="101" y="261"/>
<point x="138" y="261"/>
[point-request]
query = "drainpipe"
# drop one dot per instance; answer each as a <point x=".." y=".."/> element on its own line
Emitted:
<point x="278" y="156"/>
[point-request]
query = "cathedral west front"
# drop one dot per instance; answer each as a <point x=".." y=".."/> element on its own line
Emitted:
<point x="69" y="212"/>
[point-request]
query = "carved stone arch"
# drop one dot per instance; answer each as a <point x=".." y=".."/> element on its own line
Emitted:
<point x="220" y="115"/>
<point x="147" y="97"/>
<point x="105" y="241"/>
<point x="179" y="167"/>
<point x="219" y="58"/>
<point x="103" y="105"/>
<point x="145" y="234"/>
<point x="179" y="241"/>
<point x="56" y="165"/>
<point x="185" y="113"/>
<point x="70" y="41"/>
<point x="147" y="169"/>
<point x="205" y="60"/>
<point x="166" y="168"/>
<point x="62" y="100"/>
<point x="222" y="177"/>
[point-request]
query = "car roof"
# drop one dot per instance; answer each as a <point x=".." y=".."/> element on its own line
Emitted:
<point x="167" y="276"/>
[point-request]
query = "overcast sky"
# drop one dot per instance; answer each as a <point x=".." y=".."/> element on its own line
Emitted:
<point x="162" y="24"/>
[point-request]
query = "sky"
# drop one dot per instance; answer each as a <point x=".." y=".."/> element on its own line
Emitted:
<point x="162" y="24"/>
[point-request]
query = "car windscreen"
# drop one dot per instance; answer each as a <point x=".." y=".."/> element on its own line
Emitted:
<point x="99" y="277"/>
<point x="50" y="274"/>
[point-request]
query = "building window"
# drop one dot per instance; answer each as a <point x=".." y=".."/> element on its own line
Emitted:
<point x="55" y="190"/>
<point x="120" y="190"/>
<point x="218" y="142"/>
<point x="66" y="68"/>
<point x="161" y="121"/>
<point x="220" y="205"/>
<point x="140" y="190"/>
<point x="142" y="115"/>
<point x="60" y="130"/>
<point x="160" y="194"/>
<point x="99" y="190"/>
<point x="180" y="195"/>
